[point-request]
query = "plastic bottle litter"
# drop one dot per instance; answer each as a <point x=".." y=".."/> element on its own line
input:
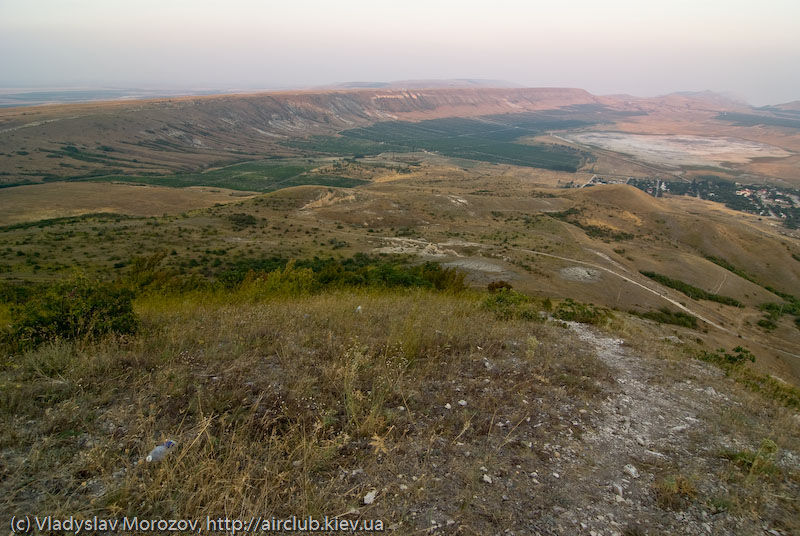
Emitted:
<point x="160" y="452"/>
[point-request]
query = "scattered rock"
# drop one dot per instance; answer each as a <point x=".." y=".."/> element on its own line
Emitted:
<point x="487" y="478"/>
<point x="369" y="498"/>
<point x="462" y="403"/>
<point x="631" y="470"/>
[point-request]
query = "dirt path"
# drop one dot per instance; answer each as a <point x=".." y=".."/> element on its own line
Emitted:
<point x="663" y="296"/>
<point x="629" y="280"/>
<point x="646" y="430"/>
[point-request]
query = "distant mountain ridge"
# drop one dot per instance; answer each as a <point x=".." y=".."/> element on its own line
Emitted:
<point x="178" y="134"/>
<point x="430" y="84"/>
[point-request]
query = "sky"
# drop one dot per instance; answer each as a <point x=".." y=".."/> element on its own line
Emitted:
<point x="644" y="47"/>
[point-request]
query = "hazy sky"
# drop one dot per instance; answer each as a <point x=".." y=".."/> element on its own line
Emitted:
<point x="642" y="47"/>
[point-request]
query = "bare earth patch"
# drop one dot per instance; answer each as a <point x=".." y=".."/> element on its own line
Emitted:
<point x="580" y="273"/>
<point x="682" y="150"/>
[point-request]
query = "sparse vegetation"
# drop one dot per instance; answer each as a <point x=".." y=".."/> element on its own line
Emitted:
<point x="255" y="176"/>
<point x="733" y="365"/>
<point x="675" y="492"/>
<point x="755" y="464"/>
<point x="287" y="394"/>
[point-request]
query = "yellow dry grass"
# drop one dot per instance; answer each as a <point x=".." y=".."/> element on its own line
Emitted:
<point x="60" y="199"/>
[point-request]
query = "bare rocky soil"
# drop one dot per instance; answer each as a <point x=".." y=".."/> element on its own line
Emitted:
<point x="642" y="453"/>
<point x="649" y="427"/>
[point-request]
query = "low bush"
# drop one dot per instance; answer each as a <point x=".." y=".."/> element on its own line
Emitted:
<point x="665" y="316"/>
<point x="570" y="310"/>
<point x="690" y="290"/>
<point x="509" y="304"/>
<point x="674" y="492"/>
<point x="78" y="309"/>
<point x="496" y="286"/>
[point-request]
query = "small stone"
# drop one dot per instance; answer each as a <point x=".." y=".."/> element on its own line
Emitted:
<point x="631" y="470"/>
<point x="448" y="406"/>
<point x="487" y="478"/>
<point x="369" y="498"/>
<point x="618" y="498"/>
<point x="403" y="487"/>
<point x="556" y="475"/>
<point x="617" y="489"/>
<point x="462" y="403"/>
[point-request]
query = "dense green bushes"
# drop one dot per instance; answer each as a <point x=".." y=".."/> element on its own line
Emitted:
<point x="691" y="291"/>
<point x="665" y="316"/>
<point x="82" y="309"/>
<point x="79" y="309"/>
<point x="358" y="271"/>
<point x="508" y="304"/>
<point x="721" y="357"/>
<point x="584" y="313"/>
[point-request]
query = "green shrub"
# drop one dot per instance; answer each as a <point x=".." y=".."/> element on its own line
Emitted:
<point x="509" y="304"/>
<point x="289" y="281"/>
<point x="496" y="286"/>
<point x="721" y="357"/>
<point x="571" y="310"/>
<point x="79" y="309"/>
<point x="358" y="271"/>
<point x="757" y="463"/>
<point x="241" y="220"/>
<point x="693" y="292"/>
<point x="665" y="316"/>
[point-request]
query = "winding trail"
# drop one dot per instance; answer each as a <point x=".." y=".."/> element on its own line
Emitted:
<point x="663" y="296"/>
<point x="629" y="280"/>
